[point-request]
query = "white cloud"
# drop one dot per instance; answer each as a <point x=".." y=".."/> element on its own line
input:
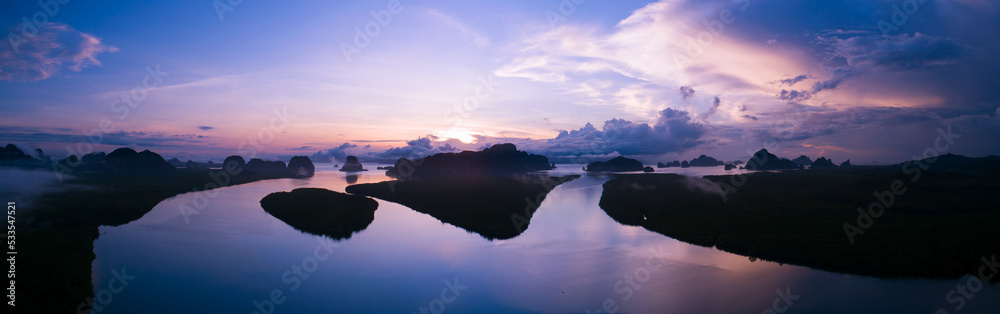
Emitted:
<point x="51" y="49"/>
<point x="638" y="57"/>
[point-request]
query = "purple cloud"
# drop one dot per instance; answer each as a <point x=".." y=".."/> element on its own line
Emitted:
<point x="53" y="48"/>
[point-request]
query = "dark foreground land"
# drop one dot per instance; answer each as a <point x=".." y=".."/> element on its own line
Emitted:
<point x="935" y="222"/>
<point x="56" y="235"/>
<point x="495" y="207"/>
<point x="321" y="211"/>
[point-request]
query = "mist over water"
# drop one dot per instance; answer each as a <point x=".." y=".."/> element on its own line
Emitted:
<point x="25" y="186"/>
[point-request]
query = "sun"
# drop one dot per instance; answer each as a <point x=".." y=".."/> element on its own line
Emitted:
<point x="464" y="136"/>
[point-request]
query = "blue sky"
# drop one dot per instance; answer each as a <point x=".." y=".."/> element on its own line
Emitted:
<point x="655" y="80"/>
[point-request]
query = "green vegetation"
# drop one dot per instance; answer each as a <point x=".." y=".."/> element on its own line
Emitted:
<point x="321" y="211"/>
<point x="940" y="225"/>
<point x="494" y="207"/>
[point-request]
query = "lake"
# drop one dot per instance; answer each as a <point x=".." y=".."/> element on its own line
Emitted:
<point x="232" y="257"/>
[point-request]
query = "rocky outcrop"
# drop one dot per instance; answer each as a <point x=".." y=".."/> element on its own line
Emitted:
<point x="234" y="164"/>
<point x="301" y="166"/>
<point x="13" y="156"/>
<point x="497" y="160"/>
<point x="129" y="161"/>
<point x="259" y="165"/>
<point x="803" y="160"/>
<point x="822" y="163"/>
<point x="705" y="161"/>
<point x="616" y="164"/>
<point x="846" y="163"/>
<point x="352" y="164"/>
<point x="176" y="162"/>
<point x="764" y="160"/>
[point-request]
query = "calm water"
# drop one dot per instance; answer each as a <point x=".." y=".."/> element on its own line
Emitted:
<point x="570" y="259"/>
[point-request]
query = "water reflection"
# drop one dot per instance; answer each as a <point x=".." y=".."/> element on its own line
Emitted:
<point x="352" y="178"/>
<point x="493" y="207"/>
<point x="571" y="260"/>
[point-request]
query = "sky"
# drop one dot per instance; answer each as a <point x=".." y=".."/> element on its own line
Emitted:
<point x="575" y="80"/>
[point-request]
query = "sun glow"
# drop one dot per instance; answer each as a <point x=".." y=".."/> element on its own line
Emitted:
<point x="465" y="136"/>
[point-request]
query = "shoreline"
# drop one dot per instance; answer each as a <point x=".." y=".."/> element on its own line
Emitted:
<point x="799" y="218"/>
<point x="56" y="236"/>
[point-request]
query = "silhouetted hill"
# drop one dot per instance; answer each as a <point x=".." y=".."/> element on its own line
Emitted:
<point x="301" y="166"/>
<point x="128" y="160"/>
<point x="321" y="211"/>
<point x="498" y="160"/>
<point x="617" y="164"/>
<point x="803" y="160"/>
<point x="234" y="164"/>
<point x="176" y="162"/>
<point x="352" y="164"/>
<point x="846" y="163"/>
<point x="674" y="163"/>
<point x="10" y="155"/>
<point x="763" y="160"/>
<point x="256" y="164"/>
<point x="822" y="163"/>
<point x="705" y="161"/>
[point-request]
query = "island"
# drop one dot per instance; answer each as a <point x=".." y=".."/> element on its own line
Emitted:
<point x="705" y="161"/>
<point x="617" y="164"/>
<point x="822" y="163"/>
<point x="882" y="221"/>
<point x="496" y="160"/>
<point x="321" y="211"/>
<point x="764" y="160"/>
<point x="352" y="164"/>
<point x="493" y="192"/>
<point x="495" y="207"/>
<point x="803" y="161"/>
